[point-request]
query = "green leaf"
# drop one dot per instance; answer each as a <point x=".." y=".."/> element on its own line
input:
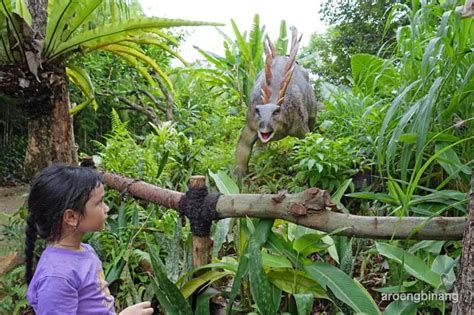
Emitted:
<point x="117" y="32"/>
<point x="224" y="183"/>
<point x="304" y="303"/>
<point x="266" y="295"/>
<point x="327" y="276"/>
<point x="412" y="264"/>
<point x="202" y="303"/>
<point x="22" y="10"/>
<point x="450" y="162"/>
<point x="342" y="286"/>
<point x="257" y="238"/>
<point x="401" y="308"/>
<point x="79" y="77"/>
<point x="296" y="282"/>
<point x="374" y="196"/>
<point x="309" y="243"/>
<point x="167" y="293"/>
<point x="275" y="261"/>
<point x="443" y="265"/>
<point x="207" y="278"/>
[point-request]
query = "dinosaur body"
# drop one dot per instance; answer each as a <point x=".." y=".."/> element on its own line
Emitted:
<point x="282" y="104"/>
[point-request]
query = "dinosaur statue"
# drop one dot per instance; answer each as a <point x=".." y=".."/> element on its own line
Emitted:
<point x="282" y="103"/>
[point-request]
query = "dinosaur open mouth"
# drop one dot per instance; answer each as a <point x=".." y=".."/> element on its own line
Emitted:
<point x="265" y="136"/>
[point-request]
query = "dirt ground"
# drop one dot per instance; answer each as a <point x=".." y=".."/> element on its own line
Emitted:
<point x="11" y="199"/>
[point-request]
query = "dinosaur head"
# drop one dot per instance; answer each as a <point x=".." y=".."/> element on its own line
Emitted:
<point x="268" y="117"/>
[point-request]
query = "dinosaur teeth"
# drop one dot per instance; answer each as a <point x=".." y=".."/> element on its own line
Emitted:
<point x="265" y="136"/>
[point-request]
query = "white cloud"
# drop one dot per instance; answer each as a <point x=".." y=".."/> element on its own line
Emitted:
<point x="303" y="14"/>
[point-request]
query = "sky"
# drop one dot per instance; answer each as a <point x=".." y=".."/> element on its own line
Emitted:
<point x="303" y="14"/>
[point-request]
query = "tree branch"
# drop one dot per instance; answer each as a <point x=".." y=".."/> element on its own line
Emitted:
<point x="147" y="111"/>
<point x="308" y="208"/>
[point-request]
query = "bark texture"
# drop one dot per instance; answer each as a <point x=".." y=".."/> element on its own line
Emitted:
<point x="50" y="132"/>
<point x="308" y="208"/>
<point x="465" y="277"/>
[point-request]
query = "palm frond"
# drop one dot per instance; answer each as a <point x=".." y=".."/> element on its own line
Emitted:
<point x="117" y="32"/>
<point x="121" y="49"/>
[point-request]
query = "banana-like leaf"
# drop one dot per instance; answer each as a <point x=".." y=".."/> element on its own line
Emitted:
<point x="256" y="42"/>
<point x="207" y="278"/>
<point x="282" y="42"/>
<point x="401" y="308"/>
<point x="241" y="42"/>
<point x="296" y="282"/>
<point x="412" y="264"/>
<point x="341" y="285"/>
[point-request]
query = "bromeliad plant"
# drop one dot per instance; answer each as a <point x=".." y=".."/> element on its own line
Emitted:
<point x="38" y="43"/>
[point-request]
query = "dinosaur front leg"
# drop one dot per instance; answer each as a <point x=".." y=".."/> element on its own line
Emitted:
<point x="243" y="151"/>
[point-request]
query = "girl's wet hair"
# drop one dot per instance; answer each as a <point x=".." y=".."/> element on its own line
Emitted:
<point x="55" y="189"/>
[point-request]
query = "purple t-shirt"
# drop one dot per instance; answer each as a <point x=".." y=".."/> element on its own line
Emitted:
<point x="70" y="282"/>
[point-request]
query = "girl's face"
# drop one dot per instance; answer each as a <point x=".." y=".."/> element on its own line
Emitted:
<point x="95" y="212"/>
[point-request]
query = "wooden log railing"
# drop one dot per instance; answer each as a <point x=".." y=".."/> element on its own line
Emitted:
<point x="311" y="208"/>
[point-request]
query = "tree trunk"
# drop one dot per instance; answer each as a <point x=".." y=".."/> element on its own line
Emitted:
<point x="46" y="102"/>
<point x="50" y="134"/>
<point x="465" y="277"/>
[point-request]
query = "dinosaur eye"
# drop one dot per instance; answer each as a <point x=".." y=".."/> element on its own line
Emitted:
<point x="276" y="112"/>
<point x="257" y="111"/>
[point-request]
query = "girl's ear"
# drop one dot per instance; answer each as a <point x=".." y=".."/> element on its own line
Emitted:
<point x="71" y="218"/>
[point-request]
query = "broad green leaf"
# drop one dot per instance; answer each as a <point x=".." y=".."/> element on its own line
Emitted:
<point x="443" y="265"/>
<point x="167" y="293"/>
<point x="202" y="303"/>
<point x="327" y="276"/>
<point x="266" y="295"/>
<point x="275" y="261"/>
<point x="296" y="282"/>
<point x="259" y="237"/>
<point x="412" y="264"/>
<point x="374" y="196"/>
<point x="449" y="161"/>
<point x="65" y="17"/>
<point x="401" y="308"/>
<point x="207" y="278"/>
<point x="433" y="247"/>
<point x="342" y="286"/>
<point x="309" y="243"/>
<point x="304" y="303"/>
<point x="224" y="183"/>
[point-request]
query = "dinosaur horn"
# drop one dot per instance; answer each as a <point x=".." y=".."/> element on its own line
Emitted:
<point x="270" y="54"/>
<point x="290" y="65"/>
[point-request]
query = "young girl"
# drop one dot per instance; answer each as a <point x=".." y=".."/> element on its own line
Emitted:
<point x="64" y="203"/>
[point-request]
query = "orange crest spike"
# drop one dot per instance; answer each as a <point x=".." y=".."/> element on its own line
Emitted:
<point x="295" y="43"/>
